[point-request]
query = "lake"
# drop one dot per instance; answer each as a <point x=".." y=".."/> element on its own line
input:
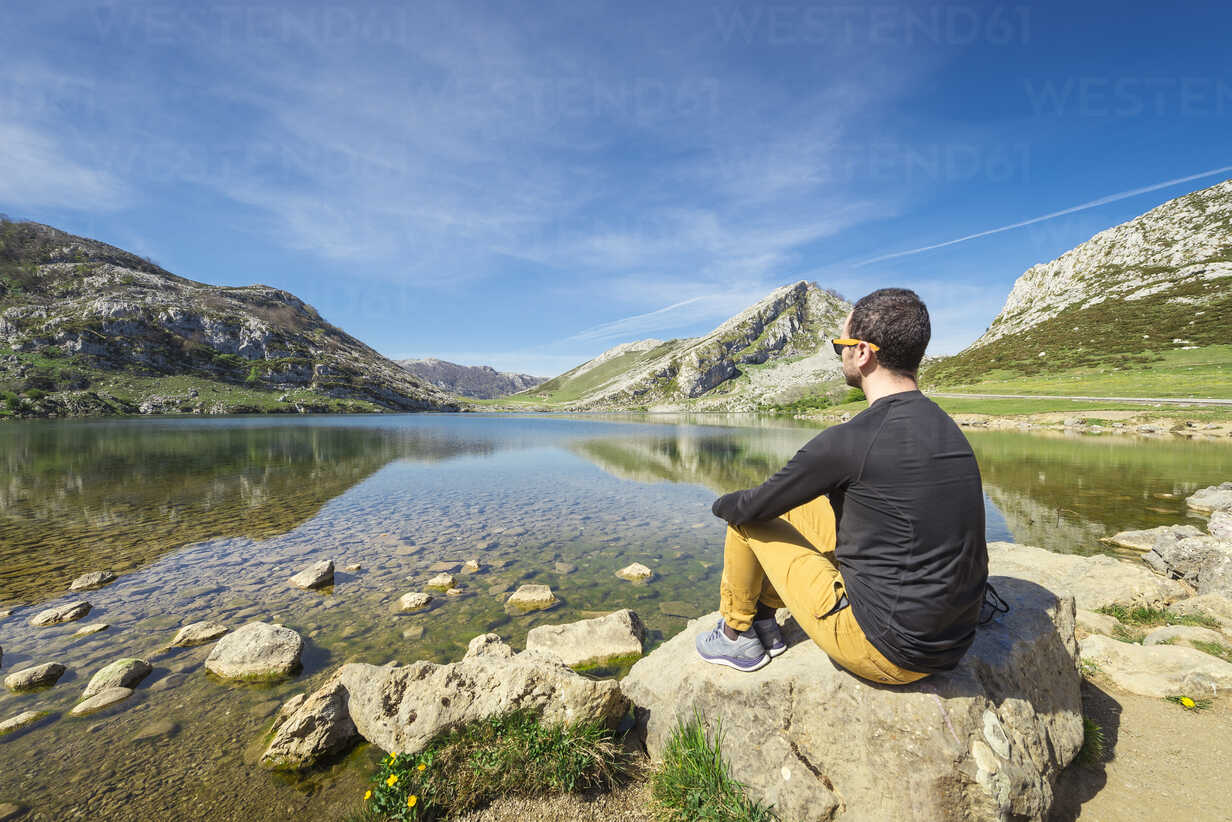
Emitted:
<point x="207" y="518"/>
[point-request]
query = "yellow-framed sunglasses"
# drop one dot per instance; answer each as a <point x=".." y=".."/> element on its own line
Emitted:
<point x="840" y="343"/>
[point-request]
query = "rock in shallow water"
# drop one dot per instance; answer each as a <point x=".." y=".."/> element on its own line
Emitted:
<point x="414" y="601"/>
<point x="123" y="673"/>
<point x="590" y="641"/>
<point x="69" y="612"/>
<point x="36" y="676"/>
<point x="318" y="575"/>
<point x="103" y="699"/>
<point x="400" y="708"/>
<point x="22" y="720"/>
<point x="531" y="598"/>
<point x="984" y="741"/>
<point x="90" y="581"/>
<point x="87" y="630"/>
<point x="256" y="651"/>
<point x="198" y="633"/>
<point x="637" y="572"/>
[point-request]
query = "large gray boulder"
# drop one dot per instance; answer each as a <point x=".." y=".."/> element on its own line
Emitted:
<point x="1212" y="498"/>
<point x="1144" y="540"/>
<point x="256" y="651"/>
<point x="1094" y="581"/>
<point x="1204" y="562"/>
<point x="590" y="641"/>
<point x="1157" y="670"/>
<point x="982" y="742"/>
<point x="400" y="708"/>
<point x="123" y="673"/>
<point x="68" y="612"/>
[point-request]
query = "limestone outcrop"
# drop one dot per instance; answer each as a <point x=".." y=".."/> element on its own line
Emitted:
<point x="1212" y="498"/>
<point x="1157" y="670"/>
<point x="1094" y="581"/>
<point x="982" y="742"/>
<point x="1205" y="562"/>
<point x="401" y="707"/>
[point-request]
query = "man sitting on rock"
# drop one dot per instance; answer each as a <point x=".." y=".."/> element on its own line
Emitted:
<point x="872" y="535"/>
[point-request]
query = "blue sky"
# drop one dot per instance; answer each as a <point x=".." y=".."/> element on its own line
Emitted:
<point x="526" y="185"/>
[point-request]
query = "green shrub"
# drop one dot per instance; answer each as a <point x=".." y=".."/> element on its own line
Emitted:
<point x="501" y="756"/>
<point x="35" y="393"/>
<point x="694" y="783"/>
<point x="855" y="395"/>
<point x="254" y="375"/>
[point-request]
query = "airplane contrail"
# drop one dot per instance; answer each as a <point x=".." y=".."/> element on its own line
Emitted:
<point x="1111" y="198"/>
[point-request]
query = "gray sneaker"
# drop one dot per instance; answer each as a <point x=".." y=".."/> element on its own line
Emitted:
<point x="744" y="653"/>
<point x="771" y="637"/>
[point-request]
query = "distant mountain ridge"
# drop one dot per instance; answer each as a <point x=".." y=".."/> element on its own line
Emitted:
<point x="478" y="381"/>
<point x="87" y="328"/>
<point x="774" y="349"/>
<point x="1160" y="281"/>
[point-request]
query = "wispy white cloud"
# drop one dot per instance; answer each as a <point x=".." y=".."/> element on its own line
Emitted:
<point x="36" y="172"/>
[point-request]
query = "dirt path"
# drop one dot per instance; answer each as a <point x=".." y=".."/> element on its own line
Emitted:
<point x="1162" y="762"/>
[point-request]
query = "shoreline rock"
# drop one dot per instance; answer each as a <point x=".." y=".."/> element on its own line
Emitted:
<point x="620" y="634"/>
<point x="1094" y="581"/>
<point x="1144" y="540"/>
<point x="400" y="708"/>
<point x="1212" y="498"/>
<point x="1156" y="670"/>
<point x="984" y="741"/>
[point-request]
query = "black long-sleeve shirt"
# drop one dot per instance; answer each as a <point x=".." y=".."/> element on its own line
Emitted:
<point x="906" y="492"/>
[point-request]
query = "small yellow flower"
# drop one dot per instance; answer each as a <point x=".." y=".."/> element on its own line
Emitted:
<point x="411" y="800"/>
<point x="1187" y="702"/>
<point x="393" y="778"/>
<point x="367" y="795"/>
<point x="421" y="766"/>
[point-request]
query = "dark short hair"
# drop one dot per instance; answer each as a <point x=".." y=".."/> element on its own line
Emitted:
<point x="895" y="319"/>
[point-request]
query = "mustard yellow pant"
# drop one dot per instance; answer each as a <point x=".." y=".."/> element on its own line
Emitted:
<point x="789" y="562"/>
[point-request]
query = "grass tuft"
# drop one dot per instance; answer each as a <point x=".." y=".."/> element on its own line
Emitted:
<point x="1154" y="617"/>
<point x="507" y="755"/>
<point x="694" y="783"/>
<point x="1092" y="750"/>
<point x="1216" y="649"/>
